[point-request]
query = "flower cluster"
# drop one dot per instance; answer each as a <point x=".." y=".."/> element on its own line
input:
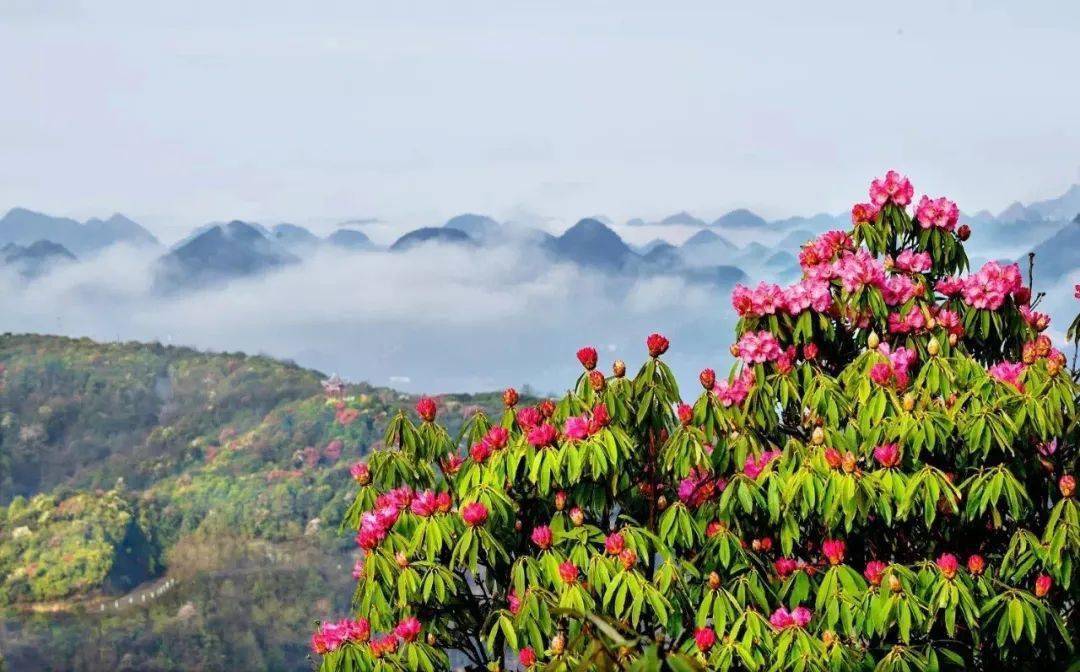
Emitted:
<point x="938" y="213"/>
<point x="733" y="393"/>
<point x="758" y="347"/>
<point x="988" y="288"/>
<point x="375" y="524"/>
<point x="895" y="371"/>
<point x="755" y="465"/>
<point x="799" y="617"/>
<point x="893" y="188"/>
<point x="700" y="487"/>
<point x="1008" y="373"/>
<point x="332" y="635"/>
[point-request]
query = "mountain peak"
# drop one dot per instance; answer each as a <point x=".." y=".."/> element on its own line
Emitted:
<point x="740" y="218"/>
<point x="432" y="234"/>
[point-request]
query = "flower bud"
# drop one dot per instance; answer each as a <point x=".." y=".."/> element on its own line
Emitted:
<point x="1053" y="367"/>
<point x="588" y="358"/>
<point x="1022" y="296"/>
<point x="828" y="638"/>
<point x="401" y="559"/>
<point x="597" y="381"/>
<point x="560" y="500"/>
<point x="933" y="347"/>
<point x="1067" y="485"/>
<point x="661" y="502"/>
<point x="894" y="584"/>
<point x="558" y="644"/>
<point x="817" y="437"/>
<point x="707" y="378"/>
<point x="619" y="368"/>
<point x="909" y="402"/>
<point x="964" y="232"/>
<point x="657" y="345"/>
<point x="714" y="580"/>
<point x="1042" y="585"/>
<point x="734" y="349"/>
<point x="577" y="516"/>
<point x="976" y="564"/>
<point x="628" y="558"/>
<point x="547" y="408"/>
<point x="849" y="462"/>
<point x="953" y="339"/>
<point x="510" y="397"/>
<point x="431" y="639"/>
<point x="872" y="341"/>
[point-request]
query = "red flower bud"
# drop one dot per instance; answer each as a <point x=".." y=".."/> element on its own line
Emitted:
<point x="704" y="638"/>
<point x="614" y="544"/>
<point x="547" y="408"/>
<point x="976" y="564"/>
<point x="657" y="345"/>
<point x="541" y="536"/>
<point x="568" y="572"/>
<point x="1067" y="485"/>
<point x="587" y="357"/>
<point x="1022" y="296"/>
<point x="686" y="414"/>
<point x="964" y="232"/>
<point x="1042" y="585"/>
<point x="707" y="378"/>
<point x="597" y="381"/>
<point x="474" y="514"/>
<point x="810" y="352"/>
<point x="527" y="657"/>
<point x="948" y="563"/>
<point x="510" y="397"/>
<point x="425" y="408"/>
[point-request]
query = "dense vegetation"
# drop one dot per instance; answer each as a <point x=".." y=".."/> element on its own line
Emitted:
<point x="122" y="462"/>
<point x="884" y="481"/>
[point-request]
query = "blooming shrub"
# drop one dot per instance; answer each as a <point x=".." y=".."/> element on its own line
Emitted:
<point x="882" y="481"/>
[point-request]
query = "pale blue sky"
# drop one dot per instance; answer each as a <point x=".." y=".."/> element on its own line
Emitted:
<point x="179" y="113"/>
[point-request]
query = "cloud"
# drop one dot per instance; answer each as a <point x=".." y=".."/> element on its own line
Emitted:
<point x="433" y="319"/>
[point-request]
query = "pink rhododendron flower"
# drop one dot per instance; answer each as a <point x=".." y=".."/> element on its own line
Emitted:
<point x="568" y="572"/>
<point x="497" y="437"/>
<point x="949" y="320"/>
<point x="685" y="412"/>
<point x="913" y="262"/>
<point x="801" y="616"/>
<point x="754" y="466"/>
<point x="542" y="537"/>
<point x="893" y="188"/>
<point x="864" y="213"/>
<point x="360" y="473"/>
<point x="948" y="563"/>
<point x="704" y="639"/>
<point x="544" y="435"/>
<point x="1048" y="448"/>
<point x="474" y="514"/>
<point x="781" y="619"/>
<point x="875" y="569"/>
<point x="614" y="544"/>
<point x="425" y="504"/>
<point x="1037" y="321"/>
<point x="528" y="417"/>
<point x="887" y="455"/>
<point x="758" y="347"/>
<point x="834" y="549"/>
<point x="937" y="213"/>
<point x="513" y="602"/>
<point x="784" y="567"/>
<point x="1008" y="373"/>
<point x="765" y="299"/>
<point x="408" y="629"/>
<point x="899" y="289"/>
<point x="860" y="269"/>
<point x="480" y="452"/>
<point x="988" y="288"/>
<point x="735" y="392"/>
<point x="576" y="428"/>
<point x="950" y="286"/>
<point x="384" y="645"/>
<point x="699" y="487"/>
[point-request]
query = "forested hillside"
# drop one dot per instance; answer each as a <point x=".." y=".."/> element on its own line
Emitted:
<point x="122" y="463"/>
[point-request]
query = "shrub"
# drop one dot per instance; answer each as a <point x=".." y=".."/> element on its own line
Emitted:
<point x="881" y="482"/>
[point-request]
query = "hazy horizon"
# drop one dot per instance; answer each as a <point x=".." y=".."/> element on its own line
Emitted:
<point x="181" y="115"/>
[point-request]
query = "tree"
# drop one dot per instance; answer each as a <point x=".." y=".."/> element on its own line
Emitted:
<point x="883" y="481"/>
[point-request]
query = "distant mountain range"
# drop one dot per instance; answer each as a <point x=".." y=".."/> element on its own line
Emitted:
<point x="218" y="252"/>
<point x="23" y="227"/>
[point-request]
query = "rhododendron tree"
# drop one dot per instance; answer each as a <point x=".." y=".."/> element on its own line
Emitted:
<point x="883" y="480"/>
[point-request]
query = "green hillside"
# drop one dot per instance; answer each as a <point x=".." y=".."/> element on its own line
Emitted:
<point x="121" y="463"/>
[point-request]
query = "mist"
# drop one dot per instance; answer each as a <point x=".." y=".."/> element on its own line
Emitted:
<point x="432" y="319"/>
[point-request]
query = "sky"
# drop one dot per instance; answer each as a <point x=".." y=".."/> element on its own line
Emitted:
<point x="181" y="113"/>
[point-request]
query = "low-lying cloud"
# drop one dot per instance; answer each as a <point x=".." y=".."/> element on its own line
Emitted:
<point x="433" y="319"/>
